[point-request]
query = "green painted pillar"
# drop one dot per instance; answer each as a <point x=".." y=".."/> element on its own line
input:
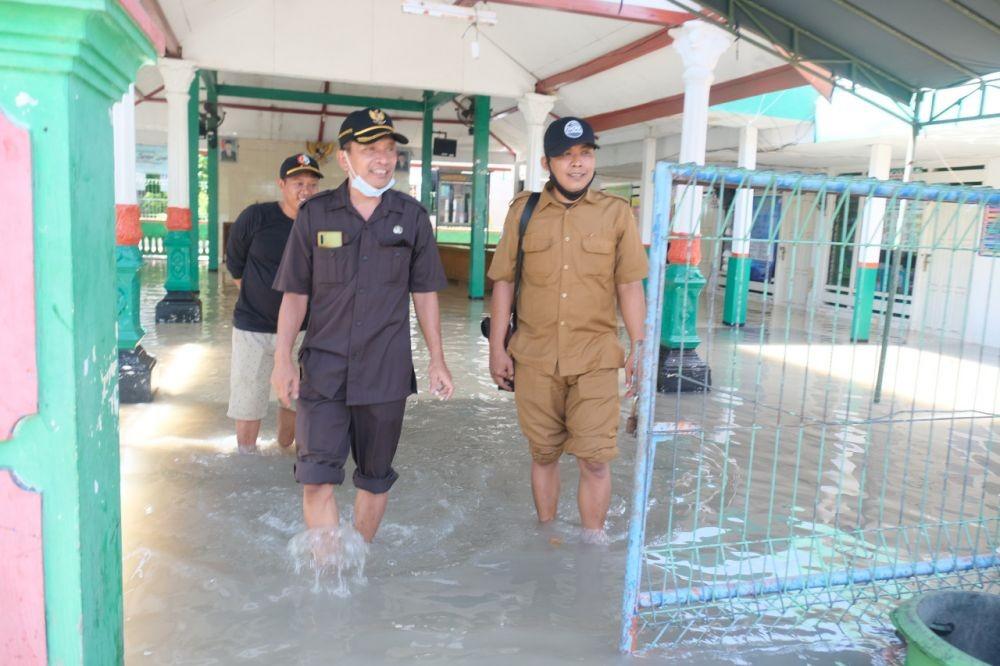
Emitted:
<point x="734" y="310"/>
<point x="427" y="153"/>
<point x="480" y="196"/>
<point x="864" y="302"/>
<point x="135" y="365"/>
<point x="193" y="181"/>
<point x="62" y="66"/>
<point x="212" y="165"/>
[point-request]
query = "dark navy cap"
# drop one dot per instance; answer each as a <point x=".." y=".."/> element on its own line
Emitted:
<point x="368" y="125"/>
<point x="301" y="163"/>
<point x="567" y="132"/>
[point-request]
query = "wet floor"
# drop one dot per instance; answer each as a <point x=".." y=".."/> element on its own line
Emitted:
<point x="460" y="571"/>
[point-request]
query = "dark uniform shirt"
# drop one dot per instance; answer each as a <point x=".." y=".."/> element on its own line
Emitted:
<point x="358" y="280"/>
<point x="253" y="252"/>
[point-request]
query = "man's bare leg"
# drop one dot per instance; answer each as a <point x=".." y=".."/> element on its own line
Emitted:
<point x="368" y="511"/>
<point x="545" y="489"/>
<point x="286" y="427"/>
<point x="594" y="494"/>
<point x="319" y="506"/>
<point x="246" y="435"/>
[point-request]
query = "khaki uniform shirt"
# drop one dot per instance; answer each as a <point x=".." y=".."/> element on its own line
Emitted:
<point x="574" y="257"/>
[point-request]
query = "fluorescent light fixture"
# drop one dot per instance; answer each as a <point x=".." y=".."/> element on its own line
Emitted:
<point x="442" y="10"/>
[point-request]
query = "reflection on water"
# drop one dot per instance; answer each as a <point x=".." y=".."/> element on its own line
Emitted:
<point x="460" y="570"/>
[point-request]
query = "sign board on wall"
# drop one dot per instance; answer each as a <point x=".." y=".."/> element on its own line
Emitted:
<point x="989" y="240"/>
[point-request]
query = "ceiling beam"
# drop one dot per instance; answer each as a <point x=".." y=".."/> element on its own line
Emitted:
<point x="599" y="8"/>
<point x="283" y="95"/>
<point x="439" y="98"/>
<point x="654" y="42"/>
<point x="172" y="47"/>
<point x="771" y="80"/>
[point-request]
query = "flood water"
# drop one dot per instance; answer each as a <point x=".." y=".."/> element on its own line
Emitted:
<point x="460" y="571"/>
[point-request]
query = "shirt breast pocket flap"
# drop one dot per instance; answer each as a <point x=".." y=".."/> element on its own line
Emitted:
<point x="334" y="256"/>
<point x="598" y="255"/>
<point x="539" y="264"/>
<point x="397" y="247"/>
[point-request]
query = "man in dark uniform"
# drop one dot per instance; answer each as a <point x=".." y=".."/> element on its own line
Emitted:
<point x="582" y="256"/>
<point x="253" y="252"/>
<point x="355" y="256"/>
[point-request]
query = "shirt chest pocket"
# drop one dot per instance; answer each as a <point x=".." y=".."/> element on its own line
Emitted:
<point x="335" y="265"/>
<point x="540" y="260"/>
<point x="395" y="251"/>
<point x="597" y="257"/>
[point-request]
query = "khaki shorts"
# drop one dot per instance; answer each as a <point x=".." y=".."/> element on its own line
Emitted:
<point x="577" y="414"/>
<point x="250" y="374"/>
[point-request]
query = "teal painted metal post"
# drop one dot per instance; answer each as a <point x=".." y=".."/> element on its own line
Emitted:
<point x="734" y="312"/>
<point x="212" y="165"/>
<point x="864" y="303"/>
<point x="427" y="152"/>
<point x="480" y="200"/>
<point x="193" y="180"/>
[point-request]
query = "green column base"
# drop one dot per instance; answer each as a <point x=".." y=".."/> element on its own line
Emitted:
<point x="864" y="296"/>
<point x="128" y="261"/>
<point x="180" y="257"/>
<point x="682" y="288"/>
<point x="181" y="304"/>
<point x="680" y="367"/>
<point x="734" y="310"/>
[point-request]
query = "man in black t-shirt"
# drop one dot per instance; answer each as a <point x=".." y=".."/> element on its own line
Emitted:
<point x="253" y="253"/>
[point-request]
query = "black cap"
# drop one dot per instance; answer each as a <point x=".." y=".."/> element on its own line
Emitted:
<point x="366" y="126"/>
<point x="301" y="163"/>
<point x="567" y="132"/>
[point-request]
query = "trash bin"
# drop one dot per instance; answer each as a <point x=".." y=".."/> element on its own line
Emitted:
<point x="950" y="627"/>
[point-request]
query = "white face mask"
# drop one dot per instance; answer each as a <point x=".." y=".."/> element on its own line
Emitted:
<point x="363" y="186"/>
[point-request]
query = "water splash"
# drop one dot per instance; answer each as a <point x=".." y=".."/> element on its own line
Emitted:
<point x="333" y="555"/>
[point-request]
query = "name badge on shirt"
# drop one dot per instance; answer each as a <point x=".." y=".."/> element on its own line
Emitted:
<point x="329" y="239"/>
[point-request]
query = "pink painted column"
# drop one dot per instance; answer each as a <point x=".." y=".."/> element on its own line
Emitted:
<point x="18" y="366"/>
<point x="22" y="579"/>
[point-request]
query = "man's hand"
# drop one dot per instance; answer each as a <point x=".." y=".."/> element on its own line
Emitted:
<point x="501" y="367"/>
<point x="285" y="380"/>
<point x="440" y="380"/>
<point x="631" y="366"/>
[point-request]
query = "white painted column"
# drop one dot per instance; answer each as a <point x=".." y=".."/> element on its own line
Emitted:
<point x="123" y="123"/>
<point x="177" y="76"/>
<point x="743" y="215"/>
<point x="646" y="191"/>
<point x="873" y="214"/>
<point x="700" y="45"/>
<point x="535" y="109"/>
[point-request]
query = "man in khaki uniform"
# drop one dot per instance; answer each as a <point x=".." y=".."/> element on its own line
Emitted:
<point x="582" y="254"/>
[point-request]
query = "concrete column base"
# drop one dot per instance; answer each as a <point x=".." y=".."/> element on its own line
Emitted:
<point x="682" y="370"/>
<point x="135" y="375"/>
<point x="179" y="307"/>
